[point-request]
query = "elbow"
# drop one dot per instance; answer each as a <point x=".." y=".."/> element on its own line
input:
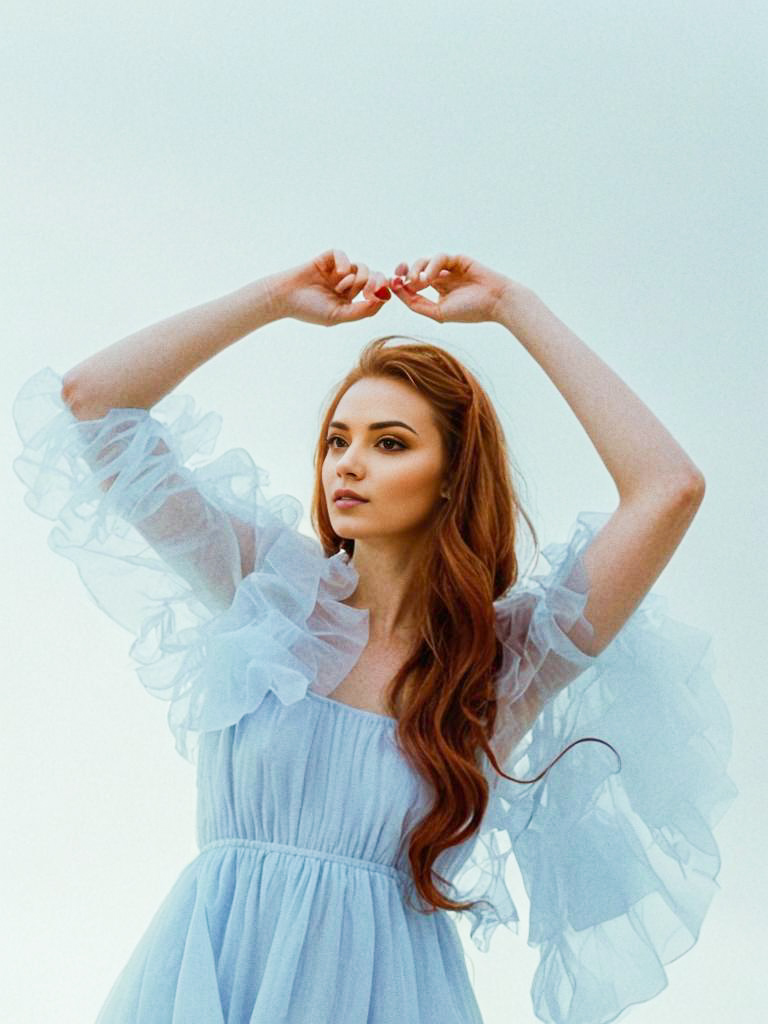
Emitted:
<point x="67" y="388"/>
<point x="71" y="393"/>
<point x="76" y="398"/>
<point x="692" y="488"/>
<point x="686" y="489"/>
<point x="685" y="497"/>
<point x="677" y="494"/>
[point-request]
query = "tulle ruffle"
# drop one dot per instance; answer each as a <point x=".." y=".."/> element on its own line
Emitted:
<point x="619" y="861"/>
<point x="226" y="599"/>
<point x="285" y="631"/>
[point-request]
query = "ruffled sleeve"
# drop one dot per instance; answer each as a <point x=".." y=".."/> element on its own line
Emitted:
<point x="225" y="597"/>
<point x="619" y="860"/>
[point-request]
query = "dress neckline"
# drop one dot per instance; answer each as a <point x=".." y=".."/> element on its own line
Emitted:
<point x="386" y="720"/>
<point x="342" y="557"/>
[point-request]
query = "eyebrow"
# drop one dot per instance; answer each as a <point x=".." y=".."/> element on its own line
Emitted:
<point x="376" y="426"/>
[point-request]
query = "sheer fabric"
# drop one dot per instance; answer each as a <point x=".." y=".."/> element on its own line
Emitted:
<point x="305" y="804"/>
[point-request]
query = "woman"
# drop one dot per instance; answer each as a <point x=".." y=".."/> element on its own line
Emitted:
<point x="360" y="709"/>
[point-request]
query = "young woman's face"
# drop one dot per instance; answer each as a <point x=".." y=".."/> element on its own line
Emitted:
<point x="397" y="468"/>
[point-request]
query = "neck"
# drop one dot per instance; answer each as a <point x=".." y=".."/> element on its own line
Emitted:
<point x="386" y="587"/>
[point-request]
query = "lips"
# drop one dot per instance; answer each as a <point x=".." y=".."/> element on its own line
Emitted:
<point x="347" y="495"/>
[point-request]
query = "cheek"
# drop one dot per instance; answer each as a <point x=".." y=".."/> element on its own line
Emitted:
<point x="327" y="471"/>
<point x="328" y="481"/>
<point x="413" y="483"/>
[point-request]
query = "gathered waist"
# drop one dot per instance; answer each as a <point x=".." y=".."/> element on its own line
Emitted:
<point x="301" y="851"/>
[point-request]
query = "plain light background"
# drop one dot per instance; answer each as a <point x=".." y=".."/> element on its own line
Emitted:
<point x="157" y="155"/>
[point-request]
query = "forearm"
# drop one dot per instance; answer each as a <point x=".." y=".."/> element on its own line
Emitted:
<point x="140" y="369"/>
<point x="637" y="450"/>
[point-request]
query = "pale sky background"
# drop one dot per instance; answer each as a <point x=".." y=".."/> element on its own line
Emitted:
<point x="611" y="156"/>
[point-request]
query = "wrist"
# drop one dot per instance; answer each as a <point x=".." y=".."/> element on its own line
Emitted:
<point x="253" y="305"/>
<point x="279" y="288"/>
<point x="513" y="300"/>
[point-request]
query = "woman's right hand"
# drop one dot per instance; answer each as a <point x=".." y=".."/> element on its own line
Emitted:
<point x="321" y="291"/>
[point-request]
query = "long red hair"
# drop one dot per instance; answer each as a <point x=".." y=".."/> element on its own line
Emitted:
<point x="447" y="716"/>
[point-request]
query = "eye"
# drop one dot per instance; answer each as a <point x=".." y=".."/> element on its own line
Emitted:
<point x="337" y="437"/>
<point x="392" y="439"/>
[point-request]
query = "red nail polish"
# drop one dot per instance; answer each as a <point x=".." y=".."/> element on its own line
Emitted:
<point x="382" y="293"/>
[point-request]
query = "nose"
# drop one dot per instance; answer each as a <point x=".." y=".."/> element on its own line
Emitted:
<point x="349" y="470"/>
<point x="346" y="459"/>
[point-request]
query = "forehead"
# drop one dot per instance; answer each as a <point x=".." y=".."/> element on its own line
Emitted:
<point x="374" y="398"/>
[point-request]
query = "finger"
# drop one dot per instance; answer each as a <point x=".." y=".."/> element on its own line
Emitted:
<point x="358" y="310"/>
<point x="352" y="282"/>
<point x="401" y="271"/>
<point x="415" y="269"/>
<point x="342" y="263"/>
<point x="360" y="281"/>
<point x="376" y="286"/>
<point x="365" y="281"/>
<point x="416" y="302"/>
<point x="442" y="261"/>
<point x="344" y="283"/>
<point x="326" y="261"/>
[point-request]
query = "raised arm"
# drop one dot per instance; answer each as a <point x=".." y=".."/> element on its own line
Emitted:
<point x="137" y="371"/>
<point x="112" y="391"/>
<point x="140" y="369"/>
<point x="660" y="488"/>
<point x="209" y="547"/>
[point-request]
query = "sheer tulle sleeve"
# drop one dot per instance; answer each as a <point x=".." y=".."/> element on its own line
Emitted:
<point x="163" y="539"/>
<point x="619" y="860"/>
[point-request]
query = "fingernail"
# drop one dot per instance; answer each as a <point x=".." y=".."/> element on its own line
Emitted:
<point x="382" y="293"/>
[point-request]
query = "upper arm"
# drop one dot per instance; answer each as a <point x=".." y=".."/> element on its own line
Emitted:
<point x="207" y="546"/>
<point x="629" y="553"/>
<point x="178" y="511"/>
<point x="552" y="632"/>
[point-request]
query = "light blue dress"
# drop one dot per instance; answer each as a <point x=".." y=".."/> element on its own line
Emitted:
<point x="299" y="905"/>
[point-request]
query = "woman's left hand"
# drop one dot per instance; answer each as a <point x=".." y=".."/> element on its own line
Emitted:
<point x="469" y="292"/>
